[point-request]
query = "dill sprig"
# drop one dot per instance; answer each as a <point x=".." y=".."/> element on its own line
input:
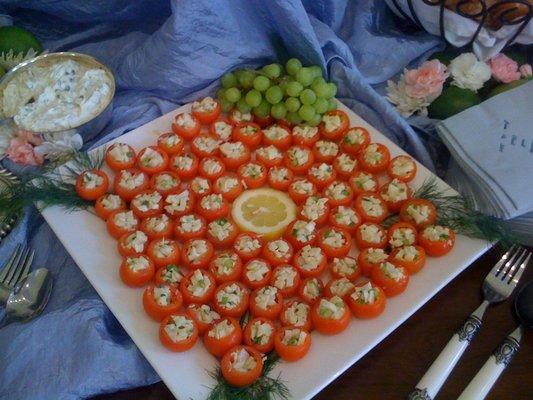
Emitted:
<point x="265" y="388"/>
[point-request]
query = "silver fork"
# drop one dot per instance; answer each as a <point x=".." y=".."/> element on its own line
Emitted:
<point x="15" y="269"/>
<point x="497" y="286"/>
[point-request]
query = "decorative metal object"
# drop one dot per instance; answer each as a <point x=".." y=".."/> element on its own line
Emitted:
<point x="419" y="394"/>
<point x="506" y="351"/>
<point x="469" y="328"/>
<point x="494" y="16"/>
<point x="6" y="221"/>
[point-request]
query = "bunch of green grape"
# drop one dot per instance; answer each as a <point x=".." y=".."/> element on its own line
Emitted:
<point x="296" y="93"/>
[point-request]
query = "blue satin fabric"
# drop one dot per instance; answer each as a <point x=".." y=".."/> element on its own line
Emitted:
<point x="164" y="54"/>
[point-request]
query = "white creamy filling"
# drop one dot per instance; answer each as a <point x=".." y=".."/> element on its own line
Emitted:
<point x="376" y="256"/>
<point x="91" y="180"/>
<point x="206" y="105"/>
<point x="266" y="297"/>
<point x="322" y="171"/>
<point x="158" y="223"/>
<point x="372" y="155"/>
<point x="261" y="332"/>
<point x="252" y="170"/>
<point x="346" y="163"/>
<point x="212" y="166"/>
<point x="312" y="288"/>
<point x="223" y="130"/>
<point x="270" y="153"/>
<point x="346" y="216"/>
<point x="137" y="264"/>
<point x="284" y="277"/>
<point x="165" y="182"/>
<point x="279" y="174"/>
<point x="303" y="231"/>
<point x="206" y="143"/>
<point x="298" y="156"/>
<point x="402" y="166"/>
<point x="354" y="136"/>
<point x="162" y="295"/>
<point x="365" y="181"/>
<point x="302" y="187"/>
<point x="111" y="201"/>
<point x="297" y="313"/>
<point x="211" y="201"/>
<point x="314" y="208"/>
<point x="241" y="117"/>
<point x="402" y="237"/>
<point x="247" y="244"/>
<point x="151" y="158"/>
<point x="332" y="308"/>
<point x="227" y="183"/>
<point x="334" y="238"/>
<point x="437" y="233"/>
<point x="125" y="220"/>
<point x="179" y="328"/>
<point x="294" y="337"/>
<point x="172" y="274"/>
<point x="242" y="361"/>
<point x="372" y="206"/>
<point x="177" y="202"/>
<point x="407" y="253"/>
<point x="232" y="149"/>
<point x="225" y="263"/>
<point x="163" y="248"/>
<point x="391" y="271"/>
<point x="326" y="148"/>
<point x="280" y="248"/>
<point x="136" y="241"/>
<point x="201" y="185"/>
<point x="395" y="191"/>
<point x="131" y="180"/>
<point x="183" y="162"/>
<point x="230" y="297"/>
<point x="147" y="201"/>
<point x="221" y="229"/>
<point x="305" y="132"/>
<point x="199" y="284"/>
<point x="121" y="152"/>
<point x="338" y="191"/>
<point x="371" y="233"/>
<point x="256" y="270"/>
<point x="344" y="266"/>
<point x="205" y="314"/>
<point x="221" y="329"/>
<point x="341" y="287"/>
<point x="185" y="120"/>
<point x="196" y="250"/>
<point x="419" y="213"/>
<point x="366" y="294"/>
<point x="331" y="122"/>
<point x="190" y="223"/>
<point x="275" y="132"/>
<point x="310" y="257"/>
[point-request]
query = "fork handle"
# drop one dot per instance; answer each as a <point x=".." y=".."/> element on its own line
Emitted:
<point x="487" y="376"/>
<point x="430" y="384"/>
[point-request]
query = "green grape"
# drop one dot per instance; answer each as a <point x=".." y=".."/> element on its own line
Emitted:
<point x="292" y="66"/>
<point x="321" y="105"/>
<point x="292" y="104"/>
<point x="294" y="118"/>
<point x="317" y="118"/>
<point x="263" y="109"/>
<point x="221" y="94"/>
<point x="273" y="71"/>
<point x="318" y="80"/>
<point x="332" y="104"/>
<point x="278" y="111"/>
<point x="233" y="95"/>
<point x="307" y="96"/>
<point x="304" y="76"/>
<point x="294" y="89"/>
<point x="316" y="71"/>
<point x="274" y="94"/>
<point x="321" y="89"/>
<point x="229" y="80"/>
<point x="225" y="105"/>
<point x="253" y="98"/>
<point x="246" y="78"/>
<point x="332" y="90"/>
<point x="261" y="83"/>
<point x="306" y="112"/>
<point x="243" y="107"/>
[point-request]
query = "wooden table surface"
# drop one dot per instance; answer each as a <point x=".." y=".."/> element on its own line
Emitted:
<point x="392" y="369"/>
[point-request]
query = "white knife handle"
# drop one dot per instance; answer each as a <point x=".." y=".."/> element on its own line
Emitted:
<point x="436" y="375"/>
<point x="487" y="376"/>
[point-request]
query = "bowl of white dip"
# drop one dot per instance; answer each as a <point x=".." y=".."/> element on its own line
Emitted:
<point x="58" y="91"/>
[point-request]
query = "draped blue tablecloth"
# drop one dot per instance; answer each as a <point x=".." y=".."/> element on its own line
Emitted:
<point x="164" y="54"/>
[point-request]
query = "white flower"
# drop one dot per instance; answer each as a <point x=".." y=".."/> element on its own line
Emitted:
<point x="468" y="72"/>
<point x="405" y="104"/>
<point x="58" y="144"/>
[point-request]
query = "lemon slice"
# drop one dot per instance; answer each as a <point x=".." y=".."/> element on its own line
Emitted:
<point x="266" y="212"/>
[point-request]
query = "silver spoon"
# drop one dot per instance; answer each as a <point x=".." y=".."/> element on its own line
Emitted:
<point x="29" y="297"/>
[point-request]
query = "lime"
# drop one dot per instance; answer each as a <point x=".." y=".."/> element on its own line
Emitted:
<point x="453" y="100"/>
<point x="506" y="86"/>
<point x="18" y="42"/>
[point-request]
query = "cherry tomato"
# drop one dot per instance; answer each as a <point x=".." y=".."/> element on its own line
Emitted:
<point x="120" y="156"/>
<point x="121" y="222"/>
<point x="218" y="346"/>
<point x="371" y="257"/>
<point x="236" y="117"/>
<point x="190" y="226"/>
<point x="280" y="178"/>
<point x="395" y="193"/>
<point x="260" y="302"/>
<point x="402" y="168"/>
<point x="367" y="301"/>
<point x="345" y="165"/>
<point x="300" y="189"/>
<point x="213" y="206"/>
<point x="237" y="377"/>
<point x="437" y="240"/>
<point x="152" y="160"/>
<point x="345" y="218"/>
<point x="278" y="252"/>
<point x="299" y="159"/>
<point x="180" y="203"/>
<point x="311" y="290"/>
<point x="335" y="242"/>
<point x="277" y="135"/>
<point x="229" y="186"/>
<point x="296" y="314"/>
<point x="412" y="258"/>
<point x="392" y="278"/>
<point x="163" y="252"/>
<point x="363" y="182"/>
<point x="374" y="158"/>
<point x="354" y="140"/>
<point x="185" y="165"/>
<point x="222" y="232"/>
<point x="137" y="270"/>
<point x="196" y="253"/>
<point x="198" y="287"/>
<point x="310" y="261"/>
<point x="165" y="182"/>
<point x="340" y="287"/>
<point x="212" y="168"/>
<point x="130" y="182"/>
<point x="324" y="319"/>
<point x="291" y="344"/>
<point x="371" y="207"/>
<point x="263" y="122"/>
<point x="286" y="279"/>
<point x="334" y="124"/>
<point x="200" y="186"/>
<point x="248" y="245"/>
<point x="170" y="143"/>
<point x="234" y="154"/>
<point x="157" y="226"/>
<point x="305" y="135"/>
<point x="108" y="203"/>
<point x="370" y="234"/>
<point x="301" y="233"/>
<point x="269" y="156"/>
<point x="321" y="175"/>
<point x="248" y="133"/>
<point x="256" y="273"/>
<point x="252" y="174"/>
<point x="203" y="315"/>
<point x="315" y="209"/>
<point x="171" y="274"/>
<point x="325" y="151"/>
<point x="226" y="266"/>
<point x="221" y="129"/>
<point x="419" y="212"/>
<point x="92" y="184"/>
<point x="259" y="338"/>
<point x="402" y="234"/>
<point x="345" y="267"/>
<point x="204" y="145"/>
<point x="338" y="193"/>
<point x="206" y="111"/>
<point x="131" y="244"/>
<point x="178" y="322"/>
<point x="186" y="125"/>
<point x="147" y="203"/>
<point x="231" y="299"/>
<point x="162" y="300"/>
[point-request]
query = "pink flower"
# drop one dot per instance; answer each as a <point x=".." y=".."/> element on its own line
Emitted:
<point x="21" y="151"/>
<point x="29" y="137"/>
<point x="426" y="81"/>
<point x="526" y="71"/>
<point x="504" y="69"/>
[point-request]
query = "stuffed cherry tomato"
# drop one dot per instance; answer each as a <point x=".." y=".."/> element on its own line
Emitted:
<point x="252" y="174"/>
<point x="229" y="186"/>
<point x="374" y="158"/>
<point x="371" y="257"/>
<point x="161" y="300"/>
<point x="371" y="207"/>
<point x="206" y="110"/>
<point x="402" y="168"/>
<point x="236" y="117"/>
<point x="178" y="332"/>
<point x="315" y="209"/>
<point x="269" y="156"/>
<point x="354" y="140"/>
<point x="393" y="279"/>
<point x="197" y="253"/>
<point x="198" y="287"/>
<point x="200" y="186"/>
<point x="321" y="174"/>
<point x="325" y="151"/>
<point x="338" y="193"/>
<point x="222" y="336"/>
<point x="180" y="203"/>
<point x="259" y="333"/>
<point x="299" y="159"/>
<point x="147" y="203"/>
<point x="301" y="233"/>
<point x="278" y="252"/>
<point x="266" y="302"/>
<point x="157" y="226"/>
<point x="185" y="165"/>
<point x="277" y="135"/>
<point x="280" y="178"/>
<point x="362" y="182"/>
<point x="170" y="143"/>
<point x="190" y="226"/>
<point x="310" y="261"/>
<point x="226" y="266"/>
<point x="338" y="287"/>
<point x="412" y="258"/>
<point x="311" y="290"/>
<point x="296" y="314"/>
<point x="165" y="182"/>
<point x="137" y="270"/>
<point x="131" y="244"/>
<point x="395" y="193"/>
<point x="345" y="165"/>
<point x="121" y="222"/>
<point x="163" y="252"/>
<point x="248" y="133"/>
<point x="263" y="122"/>
<point x="130" y="182"/>
<point x="231" y="299"/>
<point x="370" y="234"/>
<point x="221" y="129"/>
<point x="335" y="242"/>
<point x="291" y="344"/>
<point x="186" y="125"/>
<point x="330" y="315"/>
<point x="345" y="267"/>
<point x="305" y="135"/>
<point x="212" y="168"/>
<point x="108" y="203"/>
<point x="203" y="315"/>
<point x="345" y="217"/>
<point x="334" y="124"/>
<point x="213" y="206"/>
<point x="402" y="234"/>
<point x="300" y="189"/>
<point x="256" y="273"/>
<point x="367" y="300"/>
<point x="152" y="160"/>
<point x="419" y="212"/>
<point x="286" y="279"/>
<point x="248" y="245"/>
<point x="92" y="184"/>
<point x="120" y="156"/>
<point x="437" y="240"/>
<point x="222" y="232"/>
<point x="234" y="154"/>
<point x="171" y="274"/>
<point x="204" y="146"/>
<point x="241" y="366"/>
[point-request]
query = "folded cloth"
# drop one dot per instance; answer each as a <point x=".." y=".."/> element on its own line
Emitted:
<point x="492" y="144"/>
